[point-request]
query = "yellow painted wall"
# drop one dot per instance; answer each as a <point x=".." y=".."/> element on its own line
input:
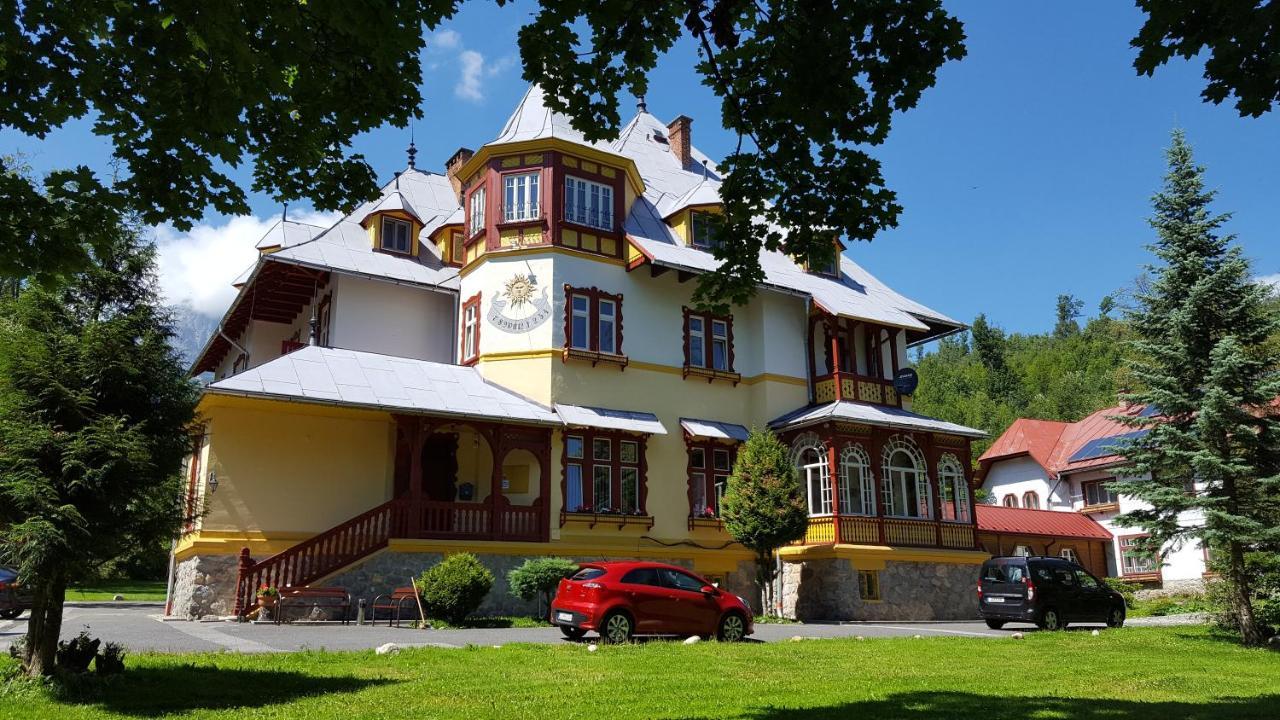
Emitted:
<point x="287" y="468"/>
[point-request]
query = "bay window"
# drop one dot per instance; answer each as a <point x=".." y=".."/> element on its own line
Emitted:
<point x="520" y="197"/>
<point x="588" y="203"/>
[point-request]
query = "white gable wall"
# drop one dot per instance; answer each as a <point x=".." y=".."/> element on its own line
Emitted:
<point x="390" y="319"/>
<point x="1019" y="475"/>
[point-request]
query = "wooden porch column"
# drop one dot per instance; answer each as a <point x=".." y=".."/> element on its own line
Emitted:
<point x="877" y="479"/>
<point x="931" y="472"/>
<point x="418" y="437"/>
<point x="832" y="326"/>
<point x="833" y="472"/>
<point x="498" y="448"/>
<point x="544" y="485"/>
<point x="813" y="370"/>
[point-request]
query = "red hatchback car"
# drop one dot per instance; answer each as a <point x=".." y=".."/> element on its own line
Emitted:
<point x="622" y="599"/>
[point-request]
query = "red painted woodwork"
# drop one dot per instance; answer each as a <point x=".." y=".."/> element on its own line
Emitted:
<point x="288" y="346"/>
<point x="708" y="472"/>
<point x="472" y="302"/>
<point x="594" y="295"/>
<point x="614" y="463"/>
<point x="707" y="369"/>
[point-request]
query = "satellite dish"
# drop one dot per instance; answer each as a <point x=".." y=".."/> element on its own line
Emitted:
<point x="905" y="381"/>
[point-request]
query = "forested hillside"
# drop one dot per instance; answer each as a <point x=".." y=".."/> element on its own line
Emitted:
<point x="986" y="378"/>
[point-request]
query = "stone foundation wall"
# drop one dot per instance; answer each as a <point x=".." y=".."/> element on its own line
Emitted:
<point x="828" y="590"/>
<point x="205" y="585"/>
<point x="1170" y="588"/>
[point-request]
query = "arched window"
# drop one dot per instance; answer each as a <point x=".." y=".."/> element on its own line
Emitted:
<point x="857" y="488"/>
<point x="954" y="489"/>
<point x="1010" y="500"/>
<point x="1031" y="500"/>
<point x="810" y="456"/>
<point x="905" y="490"/>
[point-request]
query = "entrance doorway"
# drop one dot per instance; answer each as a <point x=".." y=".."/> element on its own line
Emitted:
<point x="440" y="467"/>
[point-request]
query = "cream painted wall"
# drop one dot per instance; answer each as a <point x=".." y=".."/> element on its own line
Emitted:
<point x="283" y="468"/>
<point x="390" y="319"/>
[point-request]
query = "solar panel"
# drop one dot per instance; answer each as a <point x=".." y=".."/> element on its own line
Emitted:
<point x="1149" y="411"/>
<point x="1102" y="447"/>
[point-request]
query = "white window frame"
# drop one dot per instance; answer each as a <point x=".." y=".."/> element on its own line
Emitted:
<point x="470" y="323"/>
<point x="585" y="314"/>
<point x="1027" y="497"/>
<point x="1069" y="554"/>
<point x="476" y="218"/>
<point x="719" y="338"/>
<point x="698" y="355"/>
<point x="592" y="194"/>
<point x="611" y="322"/>
<point x="856" y="482"/>
<point x="520" y="196"/>
<point x="954" y="488"/>
<point x="386" y="237"/>
<point x="897" y="479"/>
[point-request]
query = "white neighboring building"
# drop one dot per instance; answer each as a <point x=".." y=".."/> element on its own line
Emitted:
<point x="1048" y="465"/>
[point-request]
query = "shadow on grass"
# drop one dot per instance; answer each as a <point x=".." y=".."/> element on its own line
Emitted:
<point x="939" y="705"/>
<point x="148" y="692"/>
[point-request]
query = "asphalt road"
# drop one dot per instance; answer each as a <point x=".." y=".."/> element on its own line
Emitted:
<point x="140" y="628"/>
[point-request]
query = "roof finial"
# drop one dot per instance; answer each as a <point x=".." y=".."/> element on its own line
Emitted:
<point x="284" y="214"/>
<point x="413" y="150"/>
<point x="397" y="181"/>
<point x="641" y="105"/>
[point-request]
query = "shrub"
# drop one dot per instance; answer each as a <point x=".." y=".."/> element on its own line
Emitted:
<point x="110" y="661"/>
<point x="74" y="655"/>
<point x="1126" y="589"/>
<point x="537" y="578"/>
<point x="453" y="588"/>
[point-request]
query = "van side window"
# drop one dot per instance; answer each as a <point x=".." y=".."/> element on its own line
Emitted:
<point x="1064" y="576"/>
<point x="1041" y="573"/>
<point x="1087" y="581"/>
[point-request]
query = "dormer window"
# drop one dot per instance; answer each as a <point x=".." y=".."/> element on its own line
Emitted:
<point x="588" y="203"/>
<point x="703" y="231"/>
<point x="829" y="267"/>
<point x="520" y="197"/>
<point x="396" y="234"/>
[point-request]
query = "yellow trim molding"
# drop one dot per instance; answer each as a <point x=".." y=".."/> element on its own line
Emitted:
<point x="874" y="557"/>
<point x="477" y="161"/>
<point x="500" y="253"/>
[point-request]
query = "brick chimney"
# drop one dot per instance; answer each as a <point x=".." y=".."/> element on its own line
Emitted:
<point x="455" y="161"/>
<point x="680" y="136"/>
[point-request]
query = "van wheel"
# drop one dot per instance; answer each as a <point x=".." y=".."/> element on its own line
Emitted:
<point x="1115" y="618"/>
<point x="571" y="632"/>
<point x="616" y="628"/>
<point x="732" y="628"/>
<point x="995" y="624"/>
<point x="1051" y="620"/>
<point x="10" y="613"/>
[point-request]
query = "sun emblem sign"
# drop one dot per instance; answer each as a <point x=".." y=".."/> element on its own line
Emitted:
<point x="519" y="308"/>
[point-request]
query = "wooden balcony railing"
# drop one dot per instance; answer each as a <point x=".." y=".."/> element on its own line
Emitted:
<point x="857" y="388"/>
<point x="901" y="532"/>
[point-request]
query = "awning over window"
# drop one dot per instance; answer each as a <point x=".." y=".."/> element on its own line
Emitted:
<point x="607" y="419"/>
<point x="713" y="429"/>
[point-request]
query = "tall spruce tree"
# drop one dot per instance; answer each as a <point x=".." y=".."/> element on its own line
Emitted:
<point x="763" y="506"/>
<point x="1203" y="359"/>
<point x="95" y="411"/>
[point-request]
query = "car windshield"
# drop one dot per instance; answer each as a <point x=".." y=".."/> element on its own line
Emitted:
<point x="588" y="573"/>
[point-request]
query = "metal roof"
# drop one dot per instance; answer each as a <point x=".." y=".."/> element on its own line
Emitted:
<point x="1022" y="521"/>
<point x="533" y="120"/>
<point x="368" y="380"/>
<point x="878" y="415"/>
<point x="607" y="419"/>
<point x="713" y="429"/>
<point x="287" y="233"/>
<point x="393" y="201"/>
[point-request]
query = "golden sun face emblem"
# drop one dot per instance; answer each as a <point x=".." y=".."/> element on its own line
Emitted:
<point x="520" y="290"/>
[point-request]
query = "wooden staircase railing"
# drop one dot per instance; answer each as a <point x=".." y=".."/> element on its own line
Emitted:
<point x="321" y="555"/>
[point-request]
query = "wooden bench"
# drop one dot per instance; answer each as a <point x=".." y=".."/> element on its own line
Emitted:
<point x="322" y="597"/>
<point x="394" y="603"/>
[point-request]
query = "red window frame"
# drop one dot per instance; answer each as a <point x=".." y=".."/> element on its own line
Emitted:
<point x="710" y="474"/>
<point x="472" y="303"/>
<point x="594" y="295"/>
<point x="708" y="351"/>
<point x="588" y="464"/>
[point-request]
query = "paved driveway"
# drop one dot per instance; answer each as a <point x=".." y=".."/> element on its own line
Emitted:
<point x="140" y="628"/>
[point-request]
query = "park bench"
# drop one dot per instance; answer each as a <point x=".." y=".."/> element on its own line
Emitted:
<point x="326" y="598"/>
<point x="394" y="604"/>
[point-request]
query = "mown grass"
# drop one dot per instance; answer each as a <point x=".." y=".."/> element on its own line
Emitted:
<point x="132" y="590"/>
<point x="1129" y="674"/>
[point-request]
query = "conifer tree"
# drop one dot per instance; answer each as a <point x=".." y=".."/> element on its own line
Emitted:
<point x="1203" y="360"/>
<point x="95" y="411"/>
<point x="763" y="506"/>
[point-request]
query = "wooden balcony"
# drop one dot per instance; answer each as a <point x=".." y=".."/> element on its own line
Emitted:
<point x="855" y="388"/>
<point x="900" y="532"/>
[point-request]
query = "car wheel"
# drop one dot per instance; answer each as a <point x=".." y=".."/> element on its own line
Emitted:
<point x="1115" y="618"/>
<point x="10" y="613"/>
<point x="995" y="624"/>
<point x="1051" y="620"/>
<point x="571" y="632"/>
<point x="732" y="628"/>
<point x="617" y="627"/>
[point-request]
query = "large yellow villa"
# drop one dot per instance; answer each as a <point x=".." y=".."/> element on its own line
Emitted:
<point x="505" y="359"/>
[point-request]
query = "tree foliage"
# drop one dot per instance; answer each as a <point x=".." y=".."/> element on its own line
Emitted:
<point x="763" y="506"/>
<point x="455" y="587"/>
<point x="538" y="578"/>
<point x="186" y="95"/>
<point x="1240" y="37"/>
<point x="1205" y="356"/>
<point x="95" y="411"/>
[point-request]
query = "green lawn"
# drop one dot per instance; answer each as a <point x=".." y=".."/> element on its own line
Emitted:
<point x="132" y="590"/>
<point x="1129" y="674"/>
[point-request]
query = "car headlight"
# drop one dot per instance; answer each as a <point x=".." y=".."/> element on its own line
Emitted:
<point x="743" y="601"/>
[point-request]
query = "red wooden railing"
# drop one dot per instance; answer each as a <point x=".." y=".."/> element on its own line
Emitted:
<point x="321" y="555"/>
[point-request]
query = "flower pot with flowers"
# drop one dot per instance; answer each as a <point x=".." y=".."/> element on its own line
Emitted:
<point x="268" y="596"/>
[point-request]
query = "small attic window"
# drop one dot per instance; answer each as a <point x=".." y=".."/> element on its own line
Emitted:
<point x="395" y="235"/>
<point x="659" y="138"/>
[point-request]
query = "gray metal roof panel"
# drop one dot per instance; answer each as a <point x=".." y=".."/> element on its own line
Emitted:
<point x="872" y="415"/>
<point x="714" y="429"/>
<point x="608" y="419"/>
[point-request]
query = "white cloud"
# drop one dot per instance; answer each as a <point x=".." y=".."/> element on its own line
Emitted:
<point x="1273" y="280"/>
<point x="443" y="40"/>
<point x="196" y="267"/>
<point x="469" y="85"/>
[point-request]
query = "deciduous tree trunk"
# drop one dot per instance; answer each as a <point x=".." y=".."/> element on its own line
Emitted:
<point x="45" y="625"/>
<point x="1241" y="597"/>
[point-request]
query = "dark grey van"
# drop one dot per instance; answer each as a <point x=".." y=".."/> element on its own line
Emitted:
<point x="14" y="598"/>
<point x="1046" y="591"/>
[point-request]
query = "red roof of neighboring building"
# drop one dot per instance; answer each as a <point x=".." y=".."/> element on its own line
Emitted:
<point x="1051" y="443"/>
<point x="1019" y="521"/>
<point x="1025" y="436"/>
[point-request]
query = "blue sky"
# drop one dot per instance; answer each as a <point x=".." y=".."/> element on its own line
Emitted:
<point x="1025" y="173"/>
